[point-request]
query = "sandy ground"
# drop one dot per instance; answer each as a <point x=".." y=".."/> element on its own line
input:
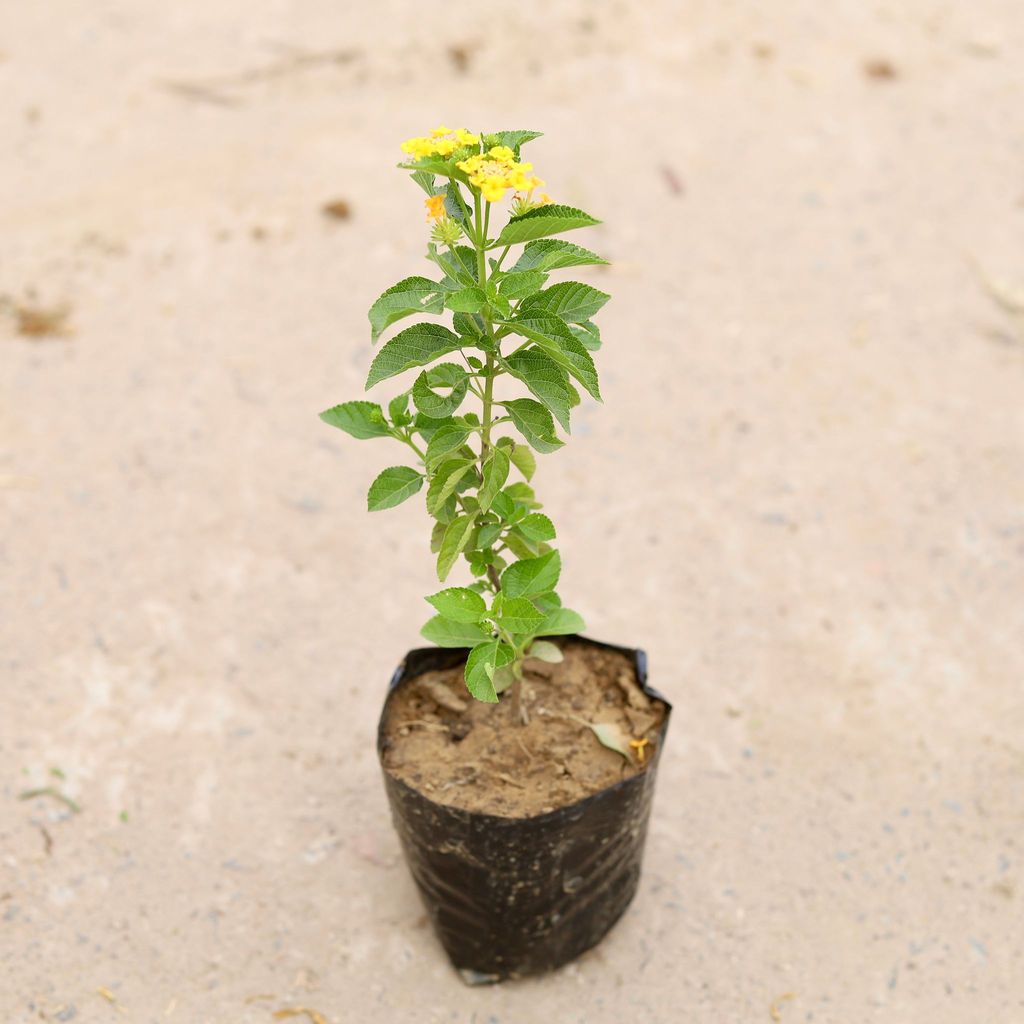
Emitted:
<point x="804" y="497"/>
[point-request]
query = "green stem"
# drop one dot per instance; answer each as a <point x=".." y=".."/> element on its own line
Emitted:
<point x="481" y="223"/>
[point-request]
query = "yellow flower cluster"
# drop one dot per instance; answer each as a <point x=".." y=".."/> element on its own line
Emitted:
<point x="441" y="141"/>
<point x="496" y="171"/>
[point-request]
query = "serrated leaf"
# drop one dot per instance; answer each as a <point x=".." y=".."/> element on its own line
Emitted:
<point x="554" y="254"/>
<point x="519" y="546"/>
<point x="553" y="336"/>
<point x="466" y="300"/>
<point x="415" y="346"/>
<point x="452" y="263"/>
<point x="587" y="334"/>
<point x="571" y="301"/>
<point x="455" y="539"/>
<point x="522" y="493"/>
<point x="504" y="677"/>
<point x="544" y="650"/>
<point x="524" y="460"/>
<point x="445" y="633"/>
<point x="424" y="180"/>
<point x="429" y="165"/>
<point x="537" y="527"/>
<point x="410" y="295"/>
<point x="458" y="604"/>
<point x="360" y="419"/>
<point x="393" y="486"/>
<point x="532" y="576"/>
<point x="546" y="380"/>
<point x="512" y="139"/>
<point x="495" y="473"/>
<point x="502" y="505"/>
<point x="443" y="443"/>
<point x="534" y="422"/>
<point x="489" y="533"/>
<point x="544" y="221"/>
<point x="518" y="284"/>
<point x="518" y="615"/>
<point x="562" y="622"/>
<point x="446" y="480"/>
<point x="481" y="665"/>
<point x="398" y="409"/>
<point x="444" y="375"/>
<point x="468" y="326"/>
<point x="436" y="536"/>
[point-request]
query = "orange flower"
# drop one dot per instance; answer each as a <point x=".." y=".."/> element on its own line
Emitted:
<point x="435" y="207"/>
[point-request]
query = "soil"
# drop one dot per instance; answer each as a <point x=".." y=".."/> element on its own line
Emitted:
<point x="471" y="755"/>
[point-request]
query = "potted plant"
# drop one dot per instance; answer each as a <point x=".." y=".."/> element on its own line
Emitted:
<point x="522" y="806"/>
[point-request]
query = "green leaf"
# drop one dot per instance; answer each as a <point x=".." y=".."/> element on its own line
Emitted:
<point x="537" y="527"/>
<point x="534" y="422"/>
<point x="446" y="482"/>
<point x="521" y="493"/>
<point x="524" y="460"/>
<point x="546" y="380"/>
<point x="455" y="539"/>
<point x="445" y="633"/>
<point x="518" y="284"/>
<point x="519" y="546"/>
<point x="544" y="650"/>
<point x="466" y="300"/>
<point x="489" y="533"/>
<point x="503" y="505"/>
<point x="455" y="209"/>
<point x="571" y="301"/>
<point x="427" y="426"/>
<point x="453" y="264"/>
<point x="561" y="622"/>
<point x="504" y="677"/>
<point x="544" y="221"/>
<point x="532" y="576"/>
<point x="554" y="254"/>
<point x="466" y="325"/>
<point x="460" y="605"/>
<point x="398" y="409"/>
<point x="553" y="336"/>
<point x="518" y="615"/>
<point x="392" y="487"/>
<point x="444" y="442"/>
<point x="495" y="473"/>
<point x="424" y="180"/>
<point x="481" y="665"/>
<point x="587" y="334"/>
<point x="415" y="346"/>
<point x="444" y="375"/>
<point x="436" y="536"/>
<point x="512" y="139"/>
<point x="411" y="295"/>
<point x="360" y="419"/>
<point x="430" y="165"/>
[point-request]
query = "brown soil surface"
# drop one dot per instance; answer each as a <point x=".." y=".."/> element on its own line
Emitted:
<point x="461" y="752"/>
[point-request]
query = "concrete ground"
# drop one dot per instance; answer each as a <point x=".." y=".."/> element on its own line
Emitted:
<point x="804" y="496"/>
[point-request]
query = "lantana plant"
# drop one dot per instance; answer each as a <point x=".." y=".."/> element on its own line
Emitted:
<point x="512" y="334"/>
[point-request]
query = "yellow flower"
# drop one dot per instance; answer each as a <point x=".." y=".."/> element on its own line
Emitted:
<point x="442" y="141"/>
<point x="496" y="171"/>
<point x="435" y="207"/>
